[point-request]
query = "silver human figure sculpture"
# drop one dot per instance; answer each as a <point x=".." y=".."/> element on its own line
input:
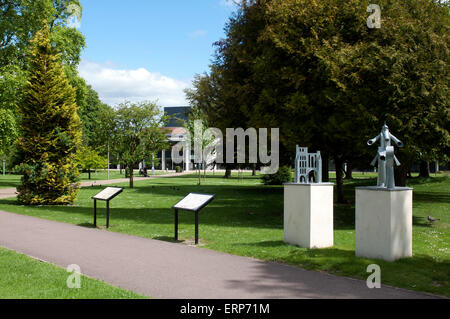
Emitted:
<point x="385" y="157"/>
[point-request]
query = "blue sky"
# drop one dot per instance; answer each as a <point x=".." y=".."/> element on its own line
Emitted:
<point x="149" y="49"/>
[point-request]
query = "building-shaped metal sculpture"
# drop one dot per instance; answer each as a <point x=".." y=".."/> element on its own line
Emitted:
<point x="385" y="157"/>
<point x="305" y="163"/>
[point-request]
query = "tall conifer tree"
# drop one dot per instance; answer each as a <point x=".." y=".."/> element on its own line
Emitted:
<point x="50" y="129"/>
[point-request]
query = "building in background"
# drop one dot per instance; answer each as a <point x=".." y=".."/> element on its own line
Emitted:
<point x="176" y="133"/>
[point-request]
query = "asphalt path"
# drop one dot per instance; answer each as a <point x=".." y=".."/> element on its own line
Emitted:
<point x="161" y="269"/>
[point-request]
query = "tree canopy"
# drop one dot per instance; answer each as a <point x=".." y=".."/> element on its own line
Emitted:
<point x="50" y="129"/>
<point x="88" y="159"/>
<point x="138" y="133"/>
<point x="315" y="70"/>
<point x="19" y="22"/>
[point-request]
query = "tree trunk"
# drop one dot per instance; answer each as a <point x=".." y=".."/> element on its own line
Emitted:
<point x="325" y="169"/>
<point x="339" y="163"/>
<point x="89" y="173"/>
<point x="254" y="170"/>
<point x="424" y="169"/>
<point x="131" y="176"/>
<point x="204" y="170"/>
<point x="227" y="172"/>
<point x="349" y="171"/>
<point x="401" y="175"/>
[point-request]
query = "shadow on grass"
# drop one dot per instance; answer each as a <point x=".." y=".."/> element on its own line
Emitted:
<point x="421" y="221"/>
<point x="234" y="206"/>
<point x="269" y="243"/>
<point x="350" y="257"/>
<point x="435" y="197"/>
<point x="215" y="215"/>
<point x="221" y="176"/>
<point x="430" y="180"/>
<point x="9" y="184"/>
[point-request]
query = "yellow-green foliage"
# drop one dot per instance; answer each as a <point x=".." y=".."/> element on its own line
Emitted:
<point x="86" y="158"/>
<point x="50" y="129"/>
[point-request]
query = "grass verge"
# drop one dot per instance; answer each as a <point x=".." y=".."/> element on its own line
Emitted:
<point x="22" y="277"/>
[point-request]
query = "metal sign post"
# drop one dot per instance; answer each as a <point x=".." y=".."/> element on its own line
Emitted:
<point x="105" y="195"/>
<point x="194" y="203"/>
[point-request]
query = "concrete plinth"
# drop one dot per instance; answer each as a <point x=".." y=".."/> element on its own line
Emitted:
<point x="308" y="215"/>
<point x="384" y="223"/>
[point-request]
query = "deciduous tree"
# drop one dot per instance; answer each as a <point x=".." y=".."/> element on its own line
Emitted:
<point x="315" y="70"/>
<point x="88" y="159"/>
<point x="138" y="133"/>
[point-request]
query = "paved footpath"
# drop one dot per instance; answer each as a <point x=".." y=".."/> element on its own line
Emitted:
<point x="161" y="269"/>
<point x="7" y="193"/>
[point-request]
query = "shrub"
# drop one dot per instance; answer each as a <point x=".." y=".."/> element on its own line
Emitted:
<point x="50" y="130"/>
<point x="284" y="175"/>
<point x="178" y="169"/>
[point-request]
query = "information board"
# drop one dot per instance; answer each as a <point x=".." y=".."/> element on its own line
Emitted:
<point x="194" y="202"/>
<point x="108" y="193"/>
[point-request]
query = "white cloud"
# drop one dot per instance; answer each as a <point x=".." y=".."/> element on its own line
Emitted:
<point x="114" y="85"/>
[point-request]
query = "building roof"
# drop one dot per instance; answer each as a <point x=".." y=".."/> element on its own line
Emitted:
<point x="174" y="130"/>
<point x="178" y="114"/>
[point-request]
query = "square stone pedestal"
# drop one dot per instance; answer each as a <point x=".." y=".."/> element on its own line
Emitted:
<point x="308" y="215"/>
<point x="384" y="222"/>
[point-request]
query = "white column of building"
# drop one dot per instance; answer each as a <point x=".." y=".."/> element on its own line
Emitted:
<point x="187" y="158"/>
<point x="163" y="160"/>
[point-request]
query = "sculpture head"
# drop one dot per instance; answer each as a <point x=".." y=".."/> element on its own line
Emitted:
<point x="385" y="134"/>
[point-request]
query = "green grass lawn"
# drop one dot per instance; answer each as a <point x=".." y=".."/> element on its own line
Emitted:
<point x="9" y="181"/>
<point x="22" y="277"/>
<point x="246" y="218"/>
<point x="101" y="175"/>
<point x="113" y="174"/>
<point x="12" y="181"/>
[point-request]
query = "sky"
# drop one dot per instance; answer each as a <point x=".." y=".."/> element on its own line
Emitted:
<point x="149" y="49"/>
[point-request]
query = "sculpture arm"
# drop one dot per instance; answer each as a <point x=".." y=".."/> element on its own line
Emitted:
<point x="396" y="140"/>
<point x="374" y="162"/>
<point x="373" y="140"/>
